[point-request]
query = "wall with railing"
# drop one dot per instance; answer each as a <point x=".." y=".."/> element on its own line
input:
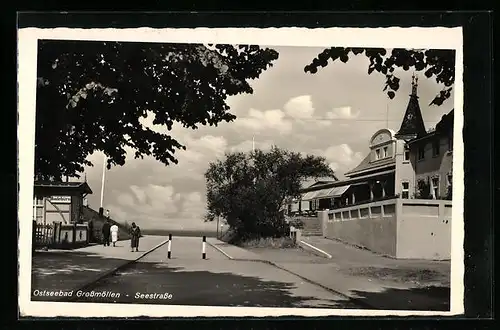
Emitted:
<point x="370" y="225"/>
<point x="401" y="228"/>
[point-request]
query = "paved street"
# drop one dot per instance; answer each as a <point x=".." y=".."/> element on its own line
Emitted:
<point x="70" y="269"/>
<point x="187" y="279"/>
<point x="237" y="277"/>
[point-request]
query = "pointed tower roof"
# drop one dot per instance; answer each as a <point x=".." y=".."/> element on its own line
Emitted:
<point x="413" y="124"/>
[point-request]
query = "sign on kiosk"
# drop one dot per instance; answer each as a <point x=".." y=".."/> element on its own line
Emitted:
<point x="60" y="199"/>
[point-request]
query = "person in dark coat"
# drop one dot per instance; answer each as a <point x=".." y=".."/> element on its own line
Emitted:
<point x="91" y="230"/>
<point x="135" y="234"/>
<point x="106" y="232"/>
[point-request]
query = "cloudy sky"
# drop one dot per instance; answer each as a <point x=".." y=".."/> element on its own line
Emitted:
<point x="332" y="113"/>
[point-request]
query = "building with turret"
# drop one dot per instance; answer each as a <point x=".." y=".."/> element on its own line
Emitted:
<point x="394" y="166"/>
<point x="397" y="200"/>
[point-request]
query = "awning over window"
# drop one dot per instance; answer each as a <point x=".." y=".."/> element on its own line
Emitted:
<point x="332" y="192"/>
<point x="308" y="196"/>
<point x="338" y="191"/>
<point x="325" y="193"/>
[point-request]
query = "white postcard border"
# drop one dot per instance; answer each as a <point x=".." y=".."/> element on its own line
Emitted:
<point x="394" y="37"/>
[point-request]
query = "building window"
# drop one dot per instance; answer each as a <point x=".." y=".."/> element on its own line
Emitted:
<point x="385" y="152"/>
<point x="407" y="155"/>
<point x="449" y="188"/>
<point x="435" y="187"/>
<point x="405" y="191"/>
<point x="435" y="148"/>
<point x="421" y="152"/>
<point x="377" y="154"/>
<point x="38" y="201"/>
<point x="38" y="209"/>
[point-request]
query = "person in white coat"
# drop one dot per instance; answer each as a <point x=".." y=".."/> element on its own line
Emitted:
<point x="114" y="234"/>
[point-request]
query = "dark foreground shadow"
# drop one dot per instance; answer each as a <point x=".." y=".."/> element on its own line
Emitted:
<point x="431" y="298"/>
<point x="64" y="270"/>
<point x="177" y="286"/>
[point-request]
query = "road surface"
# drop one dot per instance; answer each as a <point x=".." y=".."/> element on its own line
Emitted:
<point x="187" y="279"/>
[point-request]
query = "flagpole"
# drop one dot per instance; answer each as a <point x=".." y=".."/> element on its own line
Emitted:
<point x="387" y="115"/>
<point x="103" y="179"/>
<point x="253" y="144"/>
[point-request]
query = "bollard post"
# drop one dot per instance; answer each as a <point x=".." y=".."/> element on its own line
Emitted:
<point x="169" y="254"/>
<point x="203" y="252"/>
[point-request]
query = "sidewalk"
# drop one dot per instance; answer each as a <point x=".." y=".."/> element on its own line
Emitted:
<point x="375" y="281"/>
<point x="232" y="251"/>
<point x="72" y="269"/>
<point x="358" y="262"/>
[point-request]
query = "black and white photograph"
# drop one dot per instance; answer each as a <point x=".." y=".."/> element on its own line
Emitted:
<point x="228" y="172"/>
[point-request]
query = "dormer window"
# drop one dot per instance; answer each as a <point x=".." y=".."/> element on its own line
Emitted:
<point x="377" y="154"/>
<point x="385" y="152"/>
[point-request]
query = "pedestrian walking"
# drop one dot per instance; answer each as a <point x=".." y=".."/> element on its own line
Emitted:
<point x="106" y="231"/>
<point x="91" y="230"/>
<point x="114" y="234"/>
<point x="135" y="234"/>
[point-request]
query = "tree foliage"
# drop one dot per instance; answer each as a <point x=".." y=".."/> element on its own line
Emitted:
<point x="91" y="96"/>
<point x="248" y="189"/>
<point x="424" y="189"/>
<point x="436" y="63"/>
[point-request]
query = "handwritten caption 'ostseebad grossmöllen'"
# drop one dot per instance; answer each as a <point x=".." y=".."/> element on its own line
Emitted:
<point x="99" y="294"/>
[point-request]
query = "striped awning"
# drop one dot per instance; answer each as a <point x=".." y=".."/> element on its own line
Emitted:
<point x="325" y="193"/>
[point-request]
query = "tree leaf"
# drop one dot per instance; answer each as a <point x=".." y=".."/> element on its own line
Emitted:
<point x="180" y="83"/>
<point x="440" y="63"/>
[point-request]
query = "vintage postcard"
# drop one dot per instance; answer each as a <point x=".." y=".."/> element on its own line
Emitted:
<point x="240" y="172"/>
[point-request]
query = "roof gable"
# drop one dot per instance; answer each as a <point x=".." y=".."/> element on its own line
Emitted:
<point x="366" y="165"/>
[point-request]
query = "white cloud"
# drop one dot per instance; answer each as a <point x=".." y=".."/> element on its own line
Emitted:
<point x="247" y="145"/>
<point x="341" y="157"/>
<point x="257" y="121"/>
<point x="125" y="199"/>
<point x="139" y="193"/>
<point x="342" y="113"/>
<point x="194" y="206"/>
<point x="300" y="107"/>
<point x="151" y="199"/>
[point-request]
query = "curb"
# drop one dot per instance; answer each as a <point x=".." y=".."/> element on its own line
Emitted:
<point x="311" y="248"/>
<point x="220" y="250"/>
<point x="357" y="300"/>
<point x="111" y="272"/>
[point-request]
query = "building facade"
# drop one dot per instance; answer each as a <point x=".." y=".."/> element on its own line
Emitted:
<point x="432" y="161"/>
<point x="59" y="202"/>
<point x="401" y="164"/>
<point x="397" y="200"/>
